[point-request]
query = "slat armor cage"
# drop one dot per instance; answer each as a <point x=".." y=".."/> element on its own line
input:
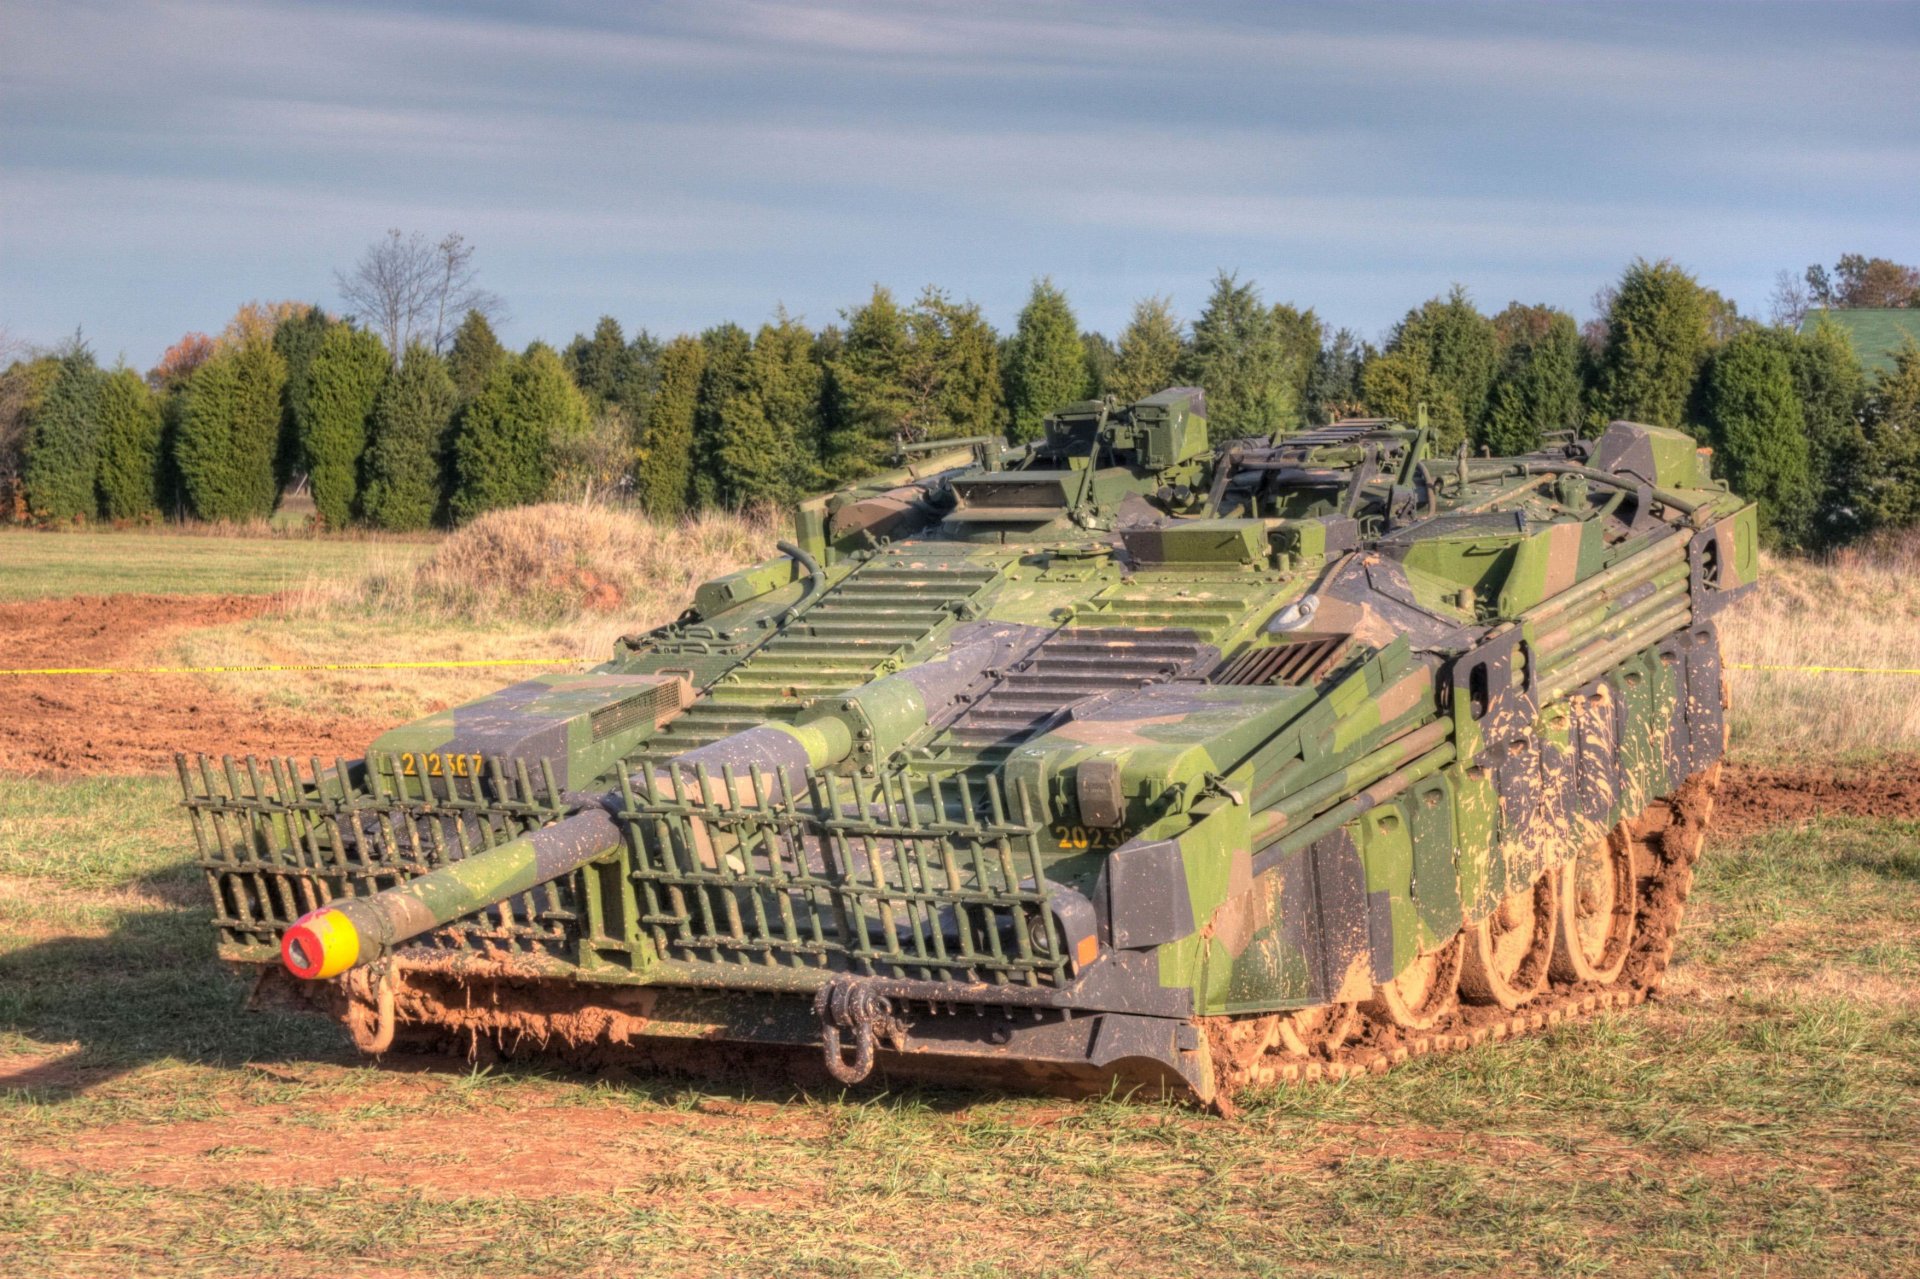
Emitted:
<point x="918" y="877"/>
<point x="277" y="841"/>
<point x="732" y="880"/>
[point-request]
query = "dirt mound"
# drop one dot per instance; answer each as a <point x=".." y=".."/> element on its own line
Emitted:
<point x="558" y="562"/>
<point x="1755" y="797"/>
<point x="134" y="723"/>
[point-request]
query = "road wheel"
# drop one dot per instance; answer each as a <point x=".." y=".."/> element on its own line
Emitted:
<point x="1425" y="991"/>
<point x="1598" y="903"/>
<point x="1505" y="956"/>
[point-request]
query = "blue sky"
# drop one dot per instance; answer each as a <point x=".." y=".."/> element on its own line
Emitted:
<point x="676" y="165"/>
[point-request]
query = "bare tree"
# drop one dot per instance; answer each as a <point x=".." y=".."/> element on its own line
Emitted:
<point x="411" y="289"/>
<point x="1594" y="331"/>
<point x="1790" y="301"/>
<point x="455" y="291"/>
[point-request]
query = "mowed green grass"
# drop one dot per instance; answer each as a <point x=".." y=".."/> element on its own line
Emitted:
<point x="43" y="565"/>
<point x="1760" y="1120"/>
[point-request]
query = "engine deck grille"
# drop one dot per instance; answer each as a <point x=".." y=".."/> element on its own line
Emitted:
<point x="1302" y="661"/>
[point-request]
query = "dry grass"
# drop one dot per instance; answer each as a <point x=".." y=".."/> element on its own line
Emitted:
<point x="193" y="560"/>
<point x="1860" y="608"/>
<point x="552" y="563"/>
<point x="555" y="582"/>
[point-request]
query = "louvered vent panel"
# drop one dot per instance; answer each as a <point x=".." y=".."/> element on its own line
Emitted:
<point x="1302" y="661"/>
<point x="642" y="708"/>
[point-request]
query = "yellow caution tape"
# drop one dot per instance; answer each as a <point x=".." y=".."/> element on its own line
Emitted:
<point x="315" y="666"/>
<point x="570" y="661"/>
<point x="1829" y="670"/>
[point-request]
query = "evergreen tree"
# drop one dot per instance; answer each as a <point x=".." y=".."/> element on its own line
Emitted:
<point x="868" y="379"/>
<point x="1832" y="389"/>
<point x="663" y="469"/>
<point x="23" y="389"/>
<point x="1398" y="383"/>
<point x="767" y="425"/>
<point x="343" y="378"/>
<point x="1658" y="338"/>
<point x="1148" y="353"/>
<point x="227" y="428"/>
<point x="1442" y="353"/>
<point x="1889" y="492"/>
<point x="555" y="400"/>
<point x="1333" y="392"/>
<point x="1240" y="357"/>
<point x="297" y="338"/>
<point x="130" y="473"/>
<point x="504" y="447"/>
<point x="63" y="454"/>
<point x="1759" y="437"/>
<point x="640" y="373"/>
<point x="725" y="376"/>
<point x="1100" y="355"/>
<point x="827" y="346"/>
<point x="602" y="364"/>
<point x="1538" y="386"/>
<point x="408" y="440"/>
<point x="1301" y="335"/>
<point x="476" y="352"/>
<point x="1046" y="367"/>
<point x="954" y="373"/>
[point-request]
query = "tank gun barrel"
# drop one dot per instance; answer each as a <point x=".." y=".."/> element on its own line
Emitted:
<point x="360" y="930"/>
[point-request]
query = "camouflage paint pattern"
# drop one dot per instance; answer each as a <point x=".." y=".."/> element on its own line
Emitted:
<point x="1118" y="723"/>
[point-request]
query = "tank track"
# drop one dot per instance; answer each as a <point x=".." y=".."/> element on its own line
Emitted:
<point x="1341" y="1041"/>
<point x="1321" y="1044"/>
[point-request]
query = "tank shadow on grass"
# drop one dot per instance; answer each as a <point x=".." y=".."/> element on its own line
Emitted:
<point x="152" y="991"/>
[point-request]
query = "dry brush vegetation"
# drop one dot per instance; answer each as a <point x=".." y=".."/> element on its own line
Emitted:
<point x="1859" y="608"/>
<point x="556" y="583"/>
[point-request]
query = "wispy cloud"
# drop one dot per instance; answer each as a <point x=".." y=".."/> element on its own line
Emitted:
<point x="681" y="162"/>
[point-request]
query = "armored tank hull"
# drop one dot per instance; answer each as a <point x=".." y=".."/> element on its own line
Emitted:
<point x="1120" y="761"/>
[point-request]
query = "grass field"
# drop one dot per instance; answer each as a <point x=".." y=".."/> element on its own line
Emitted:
<point x="1758" y="1120"/>
<point x="40" y="565"/>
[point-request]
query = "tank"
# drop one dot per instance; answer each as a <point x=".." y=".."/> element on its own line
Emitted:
<point x="1125" y="760"/>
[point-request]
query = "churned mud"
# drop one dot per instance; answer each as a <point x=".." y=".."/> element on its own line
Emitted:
<point x="1756" y="797"/>
<point x="120" y="724"/>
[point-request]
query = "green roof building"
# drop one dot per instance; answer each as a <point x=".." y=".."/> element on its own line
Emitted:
<point x="1878" y="333"/>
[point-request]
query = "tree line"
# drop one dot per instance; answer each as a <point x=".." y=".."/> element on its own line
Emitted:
<point x="406" y="421"/>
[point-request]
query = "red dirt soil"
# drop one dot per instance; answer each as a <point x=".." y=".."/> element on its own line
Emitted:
<point x="94" y="724"/>
<point x="90" y="724"/>
<point x="1754" y="797"/>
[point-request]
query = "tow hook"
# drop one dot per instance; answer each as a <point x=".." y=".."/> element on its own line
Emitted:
<point x="852" y="1005"/>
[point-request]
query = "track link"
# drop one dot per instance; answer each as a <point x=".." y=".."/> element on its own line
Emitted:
<point x="1328" y="1044"/>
